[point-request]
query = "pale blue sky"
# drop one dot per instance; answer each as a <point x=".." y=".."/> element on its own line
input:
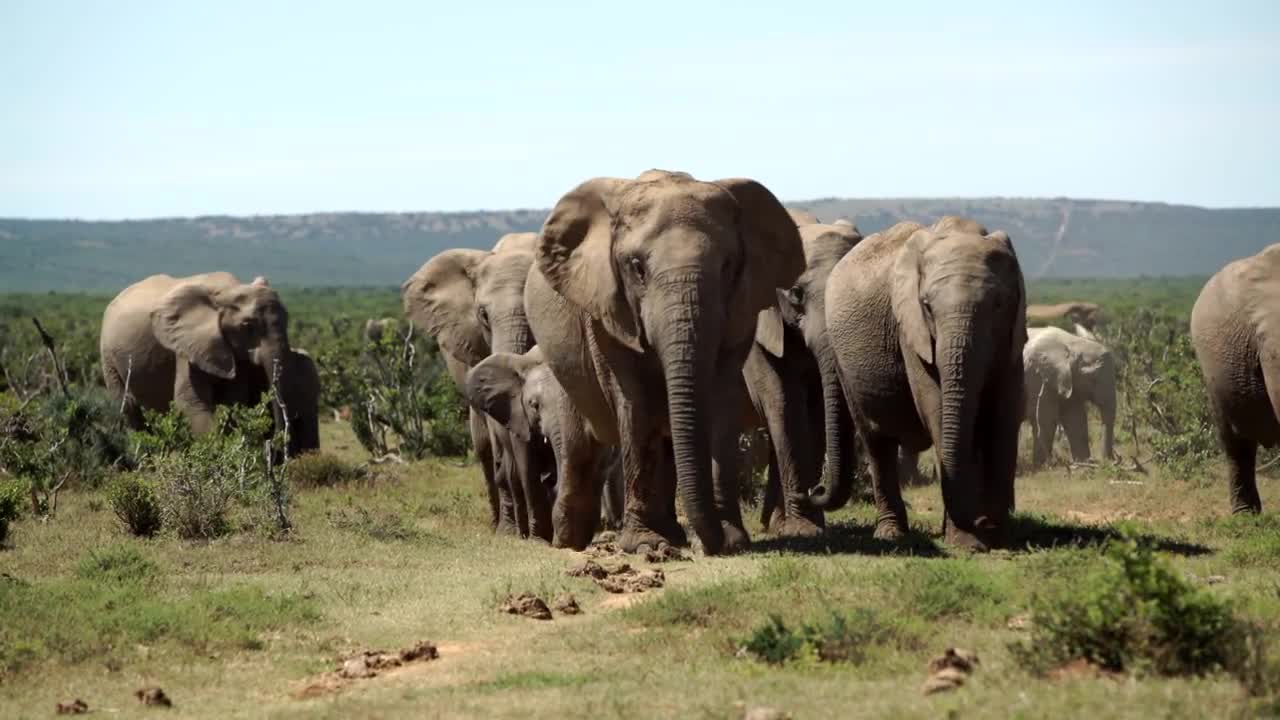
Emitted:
<point x="143" y="109"/>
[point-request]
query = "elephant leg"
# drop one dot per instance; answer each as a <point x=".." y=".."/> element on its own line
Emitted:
<point x="528" y="474"/>
<point x="648" y="515"/>
<point x="1044" y="426"/>
<point x="508" y="518"/>
<point x="1108" y="412"/>
<point x="771" y="513"/>
<point x="999" y="451"/>
<point x="1075" y="422"/>
<point x="614" y="499"/>
<point x="128" y="402"/>
<point x="484" y="453"/>
<point x="726" y="459"/>
<point x="1242" y="481"/>
<point x="577" y="508"/>
<point x="781" y="398"/>
<point x="891" y="511"/>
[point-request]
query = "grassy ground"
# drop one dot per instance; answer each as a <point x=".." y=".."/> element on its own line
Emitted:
<point x="237" y="627"/>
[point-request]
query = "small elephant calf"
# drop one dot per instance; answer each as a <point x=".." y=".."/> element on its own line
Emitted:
<point x="521" y="394"/>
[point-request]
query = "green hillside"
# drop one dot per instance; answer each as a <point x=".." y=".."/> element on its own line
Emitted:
<point x="1100" y="239"/>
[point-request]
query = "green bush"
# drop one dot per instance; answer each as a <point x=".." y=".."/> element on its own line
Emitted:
<point x="401" y="396"/>
<point x="1161" y="390"/>
<point x="839" y="637"/>
<point x="200" y="481"/>
<point x="136" y="503"/>
<point x="1136" y="614"/>
<point x="117" y="564"/>
<point x="12" y="496"/>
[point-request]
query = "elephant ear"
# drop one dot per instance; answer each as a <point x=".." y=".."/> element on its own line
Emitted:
<point x="769" y="330"/>
<point x="441" y="299"/>
<point x="187" y="322"/>
<point x="496" y="388"/>
<point x="575" y="255"/>
<point x="1019" y="338"/>
<point x="773" y="249"/>
<point x="907" y="307"/>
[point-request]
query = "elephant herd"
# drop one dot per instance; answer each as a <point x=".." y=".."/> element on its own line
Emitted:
<point x="612" y="361"/>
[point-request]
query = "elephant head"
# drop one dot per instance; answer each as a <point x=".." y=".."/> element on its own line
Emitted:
<point x="675" y="270"/>
<point x="472" y="302"/>
<point x="235" y="332"/>
<point x="960" y="305"/>
<point x="375" y="328"/>
<point x="802" y="308"/>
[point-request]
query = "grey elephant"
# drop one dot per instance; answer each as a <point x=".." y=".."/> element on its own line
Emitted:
<point x="644" y="300"/>
<point x="472" y="302"/>
<point x="794" y="385"/>
<point x="1077" y="312"/>
<point x="1064" y="373"/>
<point x="207" y="340"/>
<point x="376" y="328"/>
<point x="928" y="326"/>
<point x="1235" y="330"/>
<point x="521" y="393"/>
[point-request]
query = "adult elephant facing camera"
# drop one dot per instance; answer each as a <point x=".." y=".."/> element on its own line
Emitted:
<point x="472" y="303"/>
<point x="928" y="327"/>
<point x="644" y="300"/>
<point x="203" y="341"/>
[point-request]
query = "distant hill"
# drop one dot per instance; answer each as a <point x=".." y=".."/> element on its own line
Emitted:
<point x="1055" y="238"/>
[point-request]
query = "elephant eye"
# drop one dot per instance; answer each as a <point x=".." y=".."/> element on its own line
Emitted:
<point x="637" y="267"/>
<point x="483" y="315"/>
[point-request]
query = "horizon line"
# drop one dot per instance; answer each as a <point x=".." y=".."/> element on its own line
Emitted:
<point x="802" y="204"/>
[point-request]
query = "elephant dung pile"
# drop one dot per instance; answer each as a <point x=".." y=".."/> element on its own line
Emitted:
<point x="618" y="577"/>
<point x="949" y="671"/>
<point x="367" y="664"/>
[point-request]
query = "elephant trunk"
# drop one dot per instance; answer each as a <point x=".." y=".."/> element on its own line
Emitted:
<point x="687" y="374"/>
<point x="961" y="373"/>
<point x="840" y="447"/>
<point x="1107" y="408"/>
<point x="512" y="334"/>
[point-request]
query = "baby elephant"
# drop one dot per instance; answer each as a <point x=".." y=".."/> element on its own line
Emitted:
<point x="1235" y="329"/>
<point x="1064" y="372"/>
<point x="520" y="393"/>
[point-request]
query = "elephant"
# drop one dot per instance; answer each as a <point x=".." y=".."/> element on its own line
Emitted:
<point x="375" y="328"/>
<point x="1235" y="332"/>
<point x="928" y="327"/>
<point x="1063" y="372"/>
<point x="1083" y="314"/>
<point x="472" y="302"/>
<point x="207" y="340"/>
<point x="644" y="299"/>
<point x="794" y="385"/>
<point x="521" y="393"/>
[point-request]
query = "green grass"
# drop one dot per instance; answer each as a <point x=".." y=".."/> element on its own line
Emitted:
<point x="230" y="628"/>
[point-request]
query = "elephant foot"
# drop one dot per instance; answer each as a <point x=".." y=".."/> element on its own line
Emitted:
<point x="1249" y="509"/>
<point x="794" y="527"/>
<point x="507" y="527"/>
<point x="736" y="539"/>
<point x="641" y="540"/>
<point x="890" y="530"/>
